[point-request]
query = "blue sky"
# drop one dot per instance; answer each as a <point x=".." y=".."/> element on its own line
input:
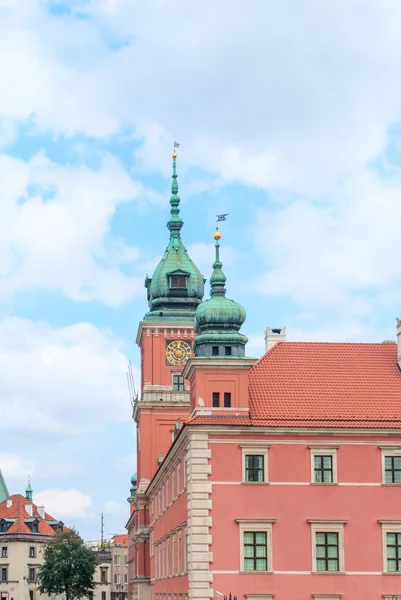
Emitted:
<point x="288" y="115"/>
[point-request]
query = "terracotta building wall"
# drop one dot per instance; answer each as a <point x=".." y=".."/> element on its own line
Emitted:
<point x="358" y="500"/>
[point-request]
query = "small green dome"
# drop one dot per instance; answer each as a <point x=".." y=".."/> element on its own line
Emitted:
<point x="177" y="286"/>
<point x="134" y="479"/>
<point x="218" y="320"/>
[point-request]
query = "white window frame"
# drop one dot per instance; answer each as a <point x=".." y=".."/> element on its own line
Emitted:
<point x="257" y="525"/>
<point x="388" y="451"/>
<point x="178" y="478"/>
<point x="388" y="527"/>
<point x="173" y="494"/>
<point x="327" y="596"/>
<point x="330" y="526"/>
<point x="256" y="451"/>
<point x="323" y="451"/>
<point x="179" y="553"/>
<point x="116" y="560"/>
<point x="173" y="561"/>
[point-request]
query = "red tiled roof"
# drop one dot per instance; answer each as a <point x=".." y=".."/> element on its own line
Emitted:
<point x="120" y="540"/>
<point x="314" y="384"/>
<point x="18" y="511"/>
<point x="329" y="384"/>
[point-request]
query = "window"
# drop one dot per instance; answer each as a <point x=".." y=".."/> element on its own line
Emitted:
<point x="327" y="546"/>
<point x="215" y="350"/>
<point x="35" y="528"/>
<point x="90" y="595"/>
<point x="254" y="467"/>
<point x="216" y="399"/>
<point x="186" y="552"/>
<point x="117" y="578"/>
<point x="178" y="478"/>
<point x="126" y="560"/>
<point x="255" y="464"/>
<point x="227" y="350"/>
<point x="103" y="595"/>
<point x="392" y="469"/>
<point x="32" y="552"/>
<point x="125" y="578"/>
<point x="178" y="282"/>
<point x="256" y="544"/>
<point x="103" y="576"/>
<point x="178" y="383"/>
<point x="32" y="574"/>
<point x="255" y="551"/>
<point x="327" y="558"/>
<point x="173" y="485"/>
<point x="323" y="465"/>
<point x="173" y="572"/>
<point x="117" y="560"/>
<point x="391" y="546"/>
<point x="4" y="576"/>
<point x="4" y="552"/>
<point x="3" y="526"/>
<point x="393" y="551"/>
<point x="31" y="595"/>
<point x="227" y="399"/>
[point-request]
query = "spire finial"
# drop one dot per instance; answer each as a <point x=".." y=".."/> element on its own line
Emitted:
<point x="175" y="222"/>
<point x="28" y="491"/>
<point x="217" y="279"/>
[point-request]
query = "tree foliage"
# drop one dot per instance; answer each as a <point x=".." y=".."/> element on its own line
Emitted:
<point x="68" y="567"/>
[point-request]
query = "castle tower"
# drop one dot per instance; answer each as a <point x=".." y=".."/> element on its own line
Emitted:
<point x="165" y="337"/>
<point x="218" y="373"/>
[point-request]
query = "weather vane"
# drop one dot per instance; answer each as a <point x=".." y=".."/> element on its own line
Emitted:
<point x="221" y="217"/>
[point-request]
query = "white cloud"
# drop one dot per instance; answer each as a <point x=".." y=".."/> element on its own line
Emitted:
<point x="54" y="229"/>
<point x="49" y="375"/>
<point x="292" y="95"/>
<point x="339" y="254"/>
<point x="64" y="504"/>
<point x="15" y="466"/>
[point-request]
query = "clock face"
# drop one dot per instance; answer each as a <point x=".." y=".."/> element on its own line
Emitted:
<point x="178" y="352"/>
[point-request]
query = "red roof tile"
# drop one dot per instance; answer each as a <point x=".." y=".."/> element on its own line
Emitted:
<point x="18" y="511"/>
<point x="120" y="540"/>
<point x="326" y="384"/>
<point x="315" y="384"/>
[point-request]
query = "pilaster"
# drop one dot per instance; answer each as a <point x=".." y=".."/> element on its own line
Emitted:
<point x="199" y="491"/>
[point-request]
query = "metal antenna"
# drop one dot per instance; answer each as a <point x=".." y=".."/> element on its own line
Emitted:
<point x="133" y="394"/>
<point x="101" y="530"/>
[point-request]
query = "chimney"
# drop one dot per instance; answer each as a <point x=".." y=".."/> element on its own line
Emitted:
<point x="399" y="342"/>
<point x="41" y="511"/>
<point x="28" y="508"/>
<point x="9" y="503"/>
<point x="272" y="336"/>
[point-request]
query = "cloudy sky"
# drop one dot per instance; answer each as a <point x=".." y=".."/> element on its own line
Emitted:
<point x="289" y="117"/>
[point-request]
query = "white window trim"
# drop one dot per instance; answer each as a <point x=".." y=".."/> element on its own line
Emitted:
<point x="178" y="479"/>
<point x="328" y="527"/>
<point x="259" y="596"/>
<point x="179" y="553"/>
<point x="388" y="527"/>
<point x="327" y="596"/>
<point x="323" y="451"/>
<point x="259" y="451"/>
<point x="263" y="525"/>
<point x="173" y="494"/>
<point x="389" y="451"/>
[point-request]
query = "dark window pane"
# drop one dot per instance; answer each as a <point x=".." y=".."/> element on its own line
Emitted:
<point x="255" y="551"/>
<point x="228" y="350"/>
<point x="327" y="551"/>
<point x="227" y="399"/>
<point x="254" y="467"/>
<point x="178" y="282"/>
<point x="216" y="399"/>
<point x="215" y="350"/>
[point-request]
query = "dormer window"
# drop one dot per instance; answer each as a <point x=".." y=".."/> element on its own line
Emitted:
<point x="178" y="282"/>
<point x="4" y="526"/>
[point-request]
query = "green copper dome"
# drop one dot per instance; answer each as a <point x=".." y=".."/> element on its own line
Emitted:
<point x="218" y="320"/>
<point x="177" y="286"/>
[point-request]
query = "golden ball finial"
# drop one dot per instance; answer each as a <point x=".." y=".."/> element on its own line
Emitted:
<point x="174" y="155"/>
<point x="217" y="235"/>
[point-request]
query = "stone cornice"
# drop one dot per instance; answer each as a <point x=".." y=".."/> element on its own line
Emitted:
<point x="217" y="363"/>
<point x="177" y="447"/>
<point x="160" y="326"/>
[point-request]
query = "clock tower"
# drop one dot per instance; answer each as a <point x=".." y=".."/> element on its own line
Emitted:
<point x="166" y="337"/>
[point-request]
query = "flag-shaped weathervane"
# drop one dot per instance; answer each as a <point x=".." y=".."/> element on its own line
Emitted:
<point x="176" y="145"/>
<point x="222" y="217"/>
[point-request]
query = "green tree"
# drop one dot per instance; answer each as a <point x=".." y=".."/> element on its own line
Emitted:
<point x="68" y="567"/>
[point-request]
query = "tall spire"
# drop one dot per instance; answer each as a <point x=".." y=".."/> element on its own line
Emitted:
<point x="217" y="279"/>
<point x="28" y="491"/>
<point x="175" y="222"/>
